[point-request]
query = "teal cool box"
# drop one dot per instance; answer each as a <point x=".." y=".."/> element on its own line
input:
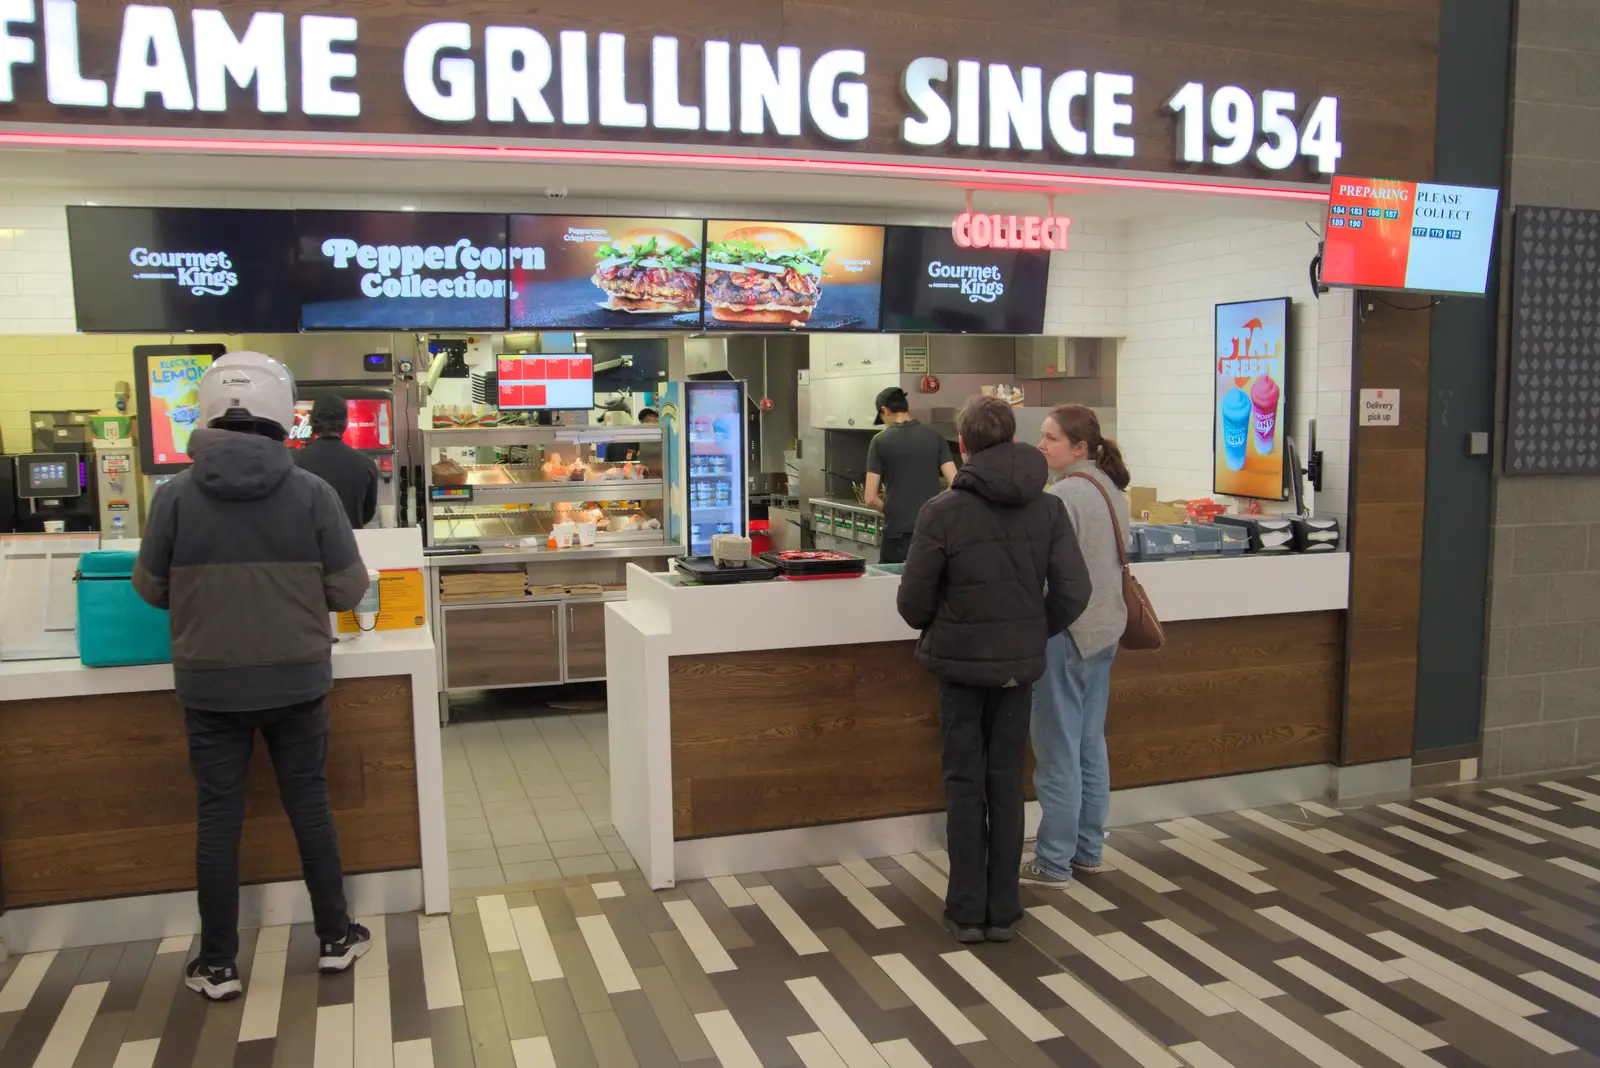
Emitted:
<point x="115" y="626"/>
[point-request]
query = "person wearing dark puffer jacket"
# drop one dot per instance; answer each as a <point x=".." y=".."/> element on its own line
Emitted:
<point x="993" y="572"/>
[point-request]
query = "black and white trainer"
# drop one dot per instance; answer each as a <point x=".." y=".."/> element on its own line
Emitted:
<point x="337" y="956"/>
<point x="218" y="984"/>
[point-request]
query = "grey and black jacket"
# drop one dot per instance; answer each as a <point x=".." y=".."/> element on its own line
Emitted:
<point x="250" y="554"/>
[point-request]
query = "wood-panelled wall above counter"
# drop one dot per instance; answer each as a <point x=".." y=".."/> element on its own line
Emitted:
<point x="785" y="738"/>
<point x="96" y="798"/>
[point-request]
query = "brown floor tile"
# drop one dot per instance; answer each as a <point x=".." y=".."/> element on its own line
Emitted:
<point x="472" y="955"/>
<point x="718" y="916"/>
<point x="34" y="1022"/>
<point x="452" y="1039"/>
<point x="255" y="1054"/>
<point x="636" y="1021"/>
<point x="408" y="997"/>
<point x="569" y="1042"/>
<point x="631" y="934"/>
<point x="128" y="981"/>
<point x="695" y="985"/>
<point x="672" y="1013"/>
<point x="517" y="1003"/>
<point x="864" y="970"/>
<point x="582" y="977"/>
<point x="101" y="965"/>
<point x="155" y="997"/>
<point x="1018" y="1049"/>
<point x="486" y="1024"/>
<point x="297" y="1019"/>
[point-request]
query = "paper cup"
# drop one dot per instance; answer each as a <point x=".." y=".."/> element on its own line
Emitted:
<point x="55" y="526"/>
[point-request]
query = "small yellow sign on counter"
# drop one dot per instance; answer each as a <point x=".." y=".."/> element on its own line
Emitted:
<point x="403" y="603"/>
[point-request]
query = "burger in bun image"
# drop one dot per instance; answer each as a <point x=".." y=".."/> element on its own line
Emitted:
<point x="648" y="270"/>
<point x="763" y="274"/>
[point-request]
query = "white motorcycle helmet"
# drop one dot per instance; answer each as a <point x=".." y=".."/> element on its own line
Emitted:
<point x="247" y="385"/>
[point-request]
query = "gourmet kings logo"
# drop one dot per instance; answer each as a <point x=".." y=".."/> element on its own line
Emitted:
<point x="983" y="284"/>
<point x="205" y="274"/>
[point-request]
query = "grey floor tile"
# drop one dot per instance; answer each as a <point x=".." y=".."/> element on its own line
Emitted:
<point x="565" y="826"/>
<point x="587" y="865"/>
<point x="473" y="858"/>
<point x="498" y="810"/>
<point x="489" y="875"/>
<point x="460" y="842"/>
<point x="470" y="825"/>
<point x="517" y="833"/>
<point x="586" y="846"/>
<point x="524" y="854"/>
<point x="532" y="871"/>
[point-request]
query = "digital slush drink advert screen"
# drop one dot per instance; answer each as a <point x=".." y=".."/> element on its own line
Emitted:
<point x="1415" y="236"/>
<point x="1252" y="354"/>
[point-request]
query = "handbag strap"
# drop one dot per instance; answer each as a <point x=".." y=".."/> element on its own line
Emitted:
<point x="1116" y="528"/>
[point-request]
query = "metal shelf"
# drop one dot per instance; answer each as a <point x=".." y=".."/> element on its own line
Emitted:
<point x="521" y="555"/>
<point x="445" y="437"/>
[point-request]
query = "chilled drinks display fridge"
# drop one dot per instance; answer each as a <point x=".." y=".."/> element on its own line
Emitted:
<point x="706" y="458"/>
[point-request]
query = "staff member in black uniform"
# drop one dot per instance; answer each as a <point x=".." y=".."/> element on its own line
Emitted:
<point x="906" y="458"/>
<point x="354" y="477"/>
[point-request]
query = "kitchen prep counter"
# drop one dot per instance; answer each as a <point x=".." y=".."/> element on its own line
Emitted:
<point x="768" y="724"/>
<point x="97" y="802"/>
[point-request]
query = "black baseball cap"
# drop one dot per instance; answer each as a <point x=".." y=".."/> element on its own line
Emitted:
<point x="888" y="397"/>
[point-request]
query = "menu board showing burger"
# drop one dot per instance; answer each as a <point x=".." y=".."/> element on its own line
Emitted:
<point x="604" y="272"/>
<point x="801" y="276"/>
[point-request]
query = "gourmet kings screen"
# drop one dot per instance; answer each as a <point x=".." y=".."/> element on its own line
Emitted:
<point x="1252" y="354"/>
<point x="1415" y="236"/>
<point x="802" y="276"/>
<point x="606" y="273"/>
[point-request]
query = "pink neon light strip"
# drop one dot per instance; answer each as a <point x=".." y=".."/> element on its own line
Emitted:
<point x="640" y="157"/>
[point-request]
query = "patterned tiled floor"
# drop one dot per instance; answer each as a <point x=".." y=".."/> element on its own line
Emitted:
<point x="1453" y="929"/>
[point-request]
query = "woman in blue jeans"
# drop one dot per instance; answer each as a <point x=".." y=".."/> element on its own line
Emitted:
<point x="1073" y="777"/>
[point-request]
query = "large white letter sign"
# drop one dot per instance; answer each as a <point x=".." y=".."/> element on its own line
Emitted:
<point x="257" y="56"/>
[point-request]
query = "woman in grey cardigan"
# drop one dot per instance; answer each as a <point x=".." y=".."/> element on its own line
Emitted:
<point x="1073" y="778"/>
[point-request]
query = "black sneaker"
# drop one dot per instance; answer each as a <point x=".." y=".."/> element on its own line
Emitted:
<point x="337" y="956"/>
<point x="967" y="936"/>
<point x="218" y="984"/>
<point x="1000" y="933"/>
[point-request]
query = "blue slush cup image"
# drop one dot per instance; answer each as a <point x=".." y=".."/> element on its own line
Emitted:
<point x="1235" y="426"/>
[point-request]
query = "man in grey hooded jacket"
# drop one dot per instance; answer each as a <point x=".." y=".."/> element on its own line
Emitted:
<point x="250" y="554"/>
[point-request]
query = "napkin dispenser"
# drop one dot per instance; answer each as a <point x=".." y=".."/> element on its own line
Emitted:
<point x="1267" y="533"/>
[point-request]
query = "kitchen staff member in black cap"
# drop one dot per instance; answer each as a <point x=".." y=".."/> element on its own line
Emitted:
<point x="354" y="477"/>
<point x="904" y="462"/>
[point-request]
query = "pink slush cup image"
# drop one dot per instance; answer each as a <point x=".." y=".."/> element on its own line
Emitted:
<point x="1264" y="399"/>
<point x="1235" y="427"/>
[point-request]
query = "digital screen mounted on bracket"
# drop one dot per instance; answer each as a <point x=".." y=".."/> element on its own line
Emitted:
<point x="376" y="270"/>
<point x="933" y="285"/>
<point x="804" y="276"/>
<point x="606" y="273"/>
<point x="173" y="270"/>
<point x="1415" y="236"/>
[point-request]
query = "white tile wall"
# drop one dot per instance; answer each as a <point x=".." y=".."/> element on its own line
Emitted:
<point x="1175" y="272"/>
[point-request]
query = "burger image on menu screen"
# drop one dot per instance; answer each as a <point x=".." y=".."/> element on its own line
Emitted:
<point x="763" y="274"/>
<point x="649" y="270"/>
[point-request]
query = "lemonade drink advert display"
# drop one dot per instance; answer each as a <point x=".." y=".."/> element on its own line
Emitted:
<point x="174" y="404"/>
<point x="1252" y="351"/>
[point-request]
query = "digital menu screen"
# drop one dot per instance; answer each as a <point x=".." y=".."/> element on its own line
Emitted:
<point x="803" y="276"/>
<point x="369" y="423"/>
<point x="174" y="270"/>
<point x="933" y="285"/>
<point x="1418" y="236"/>
<point x="167" y="378"/>
<point x="537" y="383"/>
<point x="606" y="273"/>
<point x="1252" y="353"/>
<point x="381" y="270"/>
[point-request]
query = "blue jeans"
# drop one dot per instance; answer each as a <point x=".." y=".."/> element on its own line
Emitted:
<point x="1073" y="777"/>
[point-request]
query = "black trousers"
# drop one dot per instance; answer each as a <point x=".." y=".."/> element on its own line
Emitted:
<point x="985" y="743"/>
<point x="219" y="756"/>
<point x="893" y="548"/>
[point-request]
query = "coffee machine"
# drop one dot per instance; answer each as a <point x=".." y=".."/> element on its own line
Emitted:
<point x="53" y="483"/>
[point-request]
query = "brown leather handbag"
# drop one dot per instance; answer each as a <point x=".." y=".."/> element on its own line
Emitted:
<point x="1143" y="630"/>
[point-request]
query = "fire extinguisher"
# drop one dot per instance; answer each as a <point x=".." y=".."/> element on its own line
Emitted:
<point x="930" y="384"/>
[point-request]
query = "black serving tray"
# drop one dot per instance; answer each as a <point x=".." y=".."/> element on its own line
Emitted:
<point x="704" y="570"/>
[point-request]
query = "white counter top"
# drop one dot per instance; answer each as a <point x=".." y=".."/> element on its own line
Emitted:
<point x="785" y="615"/>
<point x="399" y="652"/>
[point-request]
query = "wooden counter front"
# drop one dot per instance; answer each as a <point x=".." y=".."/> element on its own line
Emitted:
<point x="798" y="737"/>
<point x="96" y="798"/>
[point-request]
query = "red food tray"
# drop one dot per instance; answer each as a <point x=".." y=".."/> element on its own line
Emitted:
<point x="825" y="575"/>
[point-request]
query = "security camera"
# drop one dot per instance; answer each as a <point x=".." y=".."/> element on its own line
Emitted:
<point x="555" y="192"/>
